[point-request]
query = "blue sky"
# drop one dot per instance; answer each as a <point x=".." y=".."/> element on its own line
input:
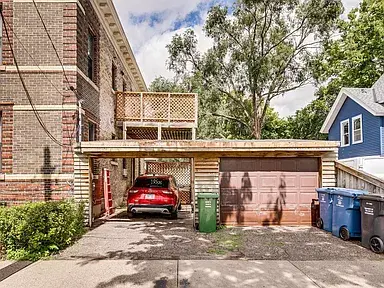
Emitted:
<point x="151" y="24"/>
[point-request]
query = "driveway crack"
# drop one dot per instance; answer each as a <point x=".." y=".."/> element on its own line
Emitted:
<point x="177" y="273"/>
<point x="298" y="268"/>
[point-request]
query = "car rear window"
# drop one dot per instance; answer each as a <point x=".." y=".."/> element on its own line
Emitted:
<point x="152" y="183"/>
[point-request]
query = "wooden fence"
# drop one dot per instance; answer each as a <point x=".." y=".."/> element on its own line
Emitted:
<point x="348" y="177"/>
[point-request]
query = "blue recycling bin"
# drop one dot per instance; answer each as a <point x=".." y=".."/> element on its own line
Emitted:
<point x="346" y="216"/>
<point x="326" y="208"/>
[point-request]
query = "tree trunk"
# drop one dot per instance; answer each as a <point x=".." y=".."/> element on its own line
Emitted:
<point x="257" y="117"/>
<point x="257" y="126"/>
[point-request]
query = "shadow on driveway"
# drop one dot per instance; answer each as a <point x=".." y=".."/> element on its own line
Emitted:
<point x="160" y="238"/>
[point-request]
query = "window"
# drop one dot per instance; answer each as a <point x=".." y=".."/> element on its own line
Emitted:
<point x="344" y="133"/>
<point x="1" y="40"/>
<point x="91" y="131"/>
<point x="91" y="54"/>
<point x="1" y="141"/>
<point x="153" y="182"/>
<point x="357" y="130"/>
<point x="114" y="72"/>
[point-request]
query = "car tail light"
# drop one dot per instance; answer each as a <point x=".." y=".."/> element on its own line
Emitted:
<point x="167" y="192"/>
<point x="133" y="191"/>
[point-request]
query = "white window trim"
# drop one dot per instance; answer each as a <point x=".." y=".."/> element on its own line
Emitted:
<point x="342" y="133"/>
<point x="353" y="129"/>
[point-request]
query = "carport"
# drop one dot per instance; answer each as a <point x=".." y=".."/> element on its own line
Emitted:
<point x="259" y="182"/>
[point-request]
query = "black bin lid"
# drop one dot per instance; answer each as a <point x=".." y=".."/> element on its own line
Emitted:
<point x="372" y="197"/>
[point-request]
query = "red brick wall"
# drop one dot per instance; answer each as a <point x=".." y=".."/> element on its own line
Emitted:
<point x="7" y="138"/>
<point x="16" y="192"/>
<point x="25" y="142"/>
<point x="8" y="14"/>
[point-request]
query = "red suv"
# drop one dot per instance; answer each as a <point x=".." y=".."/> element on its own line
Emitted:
<point x="154" y="194"/>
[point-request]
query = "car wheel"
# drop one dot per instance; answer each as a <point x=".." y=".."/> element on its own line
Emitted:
<point x="130" y="214"/>
<point x="179" y="208"/>
<point x="344" y="233"/>
<point x="174" y="215"/>
<point x="376" y="245"/>
<point x="319" y="223"/>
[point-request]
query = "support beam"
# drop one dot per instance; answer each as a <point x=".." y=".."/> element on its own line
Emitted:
<point x="159" y="132"/>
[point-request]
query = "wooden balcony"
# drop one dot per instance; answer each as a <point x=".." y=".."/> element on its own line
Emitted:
<point x="157" y="115"/>
<point x="156" y="107"/>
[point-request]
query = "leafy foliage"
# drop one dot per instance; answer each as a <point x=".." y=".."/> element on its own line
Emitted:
<point x="354" y="59"/>
<point x="260" y="51"/>
<point x="37" y="230"/>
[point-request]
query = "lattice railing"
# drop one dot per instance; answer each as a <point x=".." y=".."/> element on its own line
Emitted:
<point x="156" y="107"/>
<point x="180" y="170"/>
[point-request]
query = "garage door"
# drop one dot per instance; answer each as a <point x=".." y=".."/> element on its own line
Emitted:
<point x="267" y="191"/>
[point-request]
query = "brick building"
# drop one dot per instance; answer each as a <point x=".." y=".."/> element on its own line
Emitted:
<point x="97" y="61"/>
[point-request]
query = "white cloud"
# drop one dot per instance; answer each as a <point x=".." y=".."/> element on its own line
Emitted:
<point x="149" y="38"/>
<point x="153" y="55"/>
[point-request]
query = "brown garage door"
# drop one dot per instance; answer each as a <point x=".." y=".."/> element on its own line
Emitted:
<point x="267" y="191"/>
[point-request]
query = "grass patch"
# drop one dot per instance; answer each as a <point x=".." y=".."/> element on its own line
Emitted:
<point x="225" y="241"/>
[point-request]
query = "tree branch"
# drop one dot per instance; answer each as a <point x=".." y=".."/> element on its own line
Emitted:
<point x="232" y="119"/>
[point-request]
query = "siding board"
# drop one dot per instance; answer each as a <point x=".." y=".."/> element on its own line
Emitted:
<point x="206" y="180"/>
<point x="371" y="131"/>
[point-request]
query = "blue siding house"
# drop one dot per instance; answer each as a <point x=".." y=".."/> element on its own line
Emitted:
<point x="357" y="121"/>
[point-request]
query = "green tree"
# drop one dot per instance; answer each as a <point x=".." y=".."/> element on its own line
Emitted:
<point x="353" y="59"/>
<point x="356" y="57"/>
<point x="260" y="51"/>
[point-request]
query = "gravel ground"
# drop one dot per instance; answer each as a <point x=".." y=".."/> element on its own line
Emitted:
<point x="156" y="237"/>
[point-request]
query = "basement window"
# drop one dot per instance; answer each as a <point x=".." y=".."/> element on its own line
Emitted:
<point x="344" y="133"/>
<point x="357" y="129"/>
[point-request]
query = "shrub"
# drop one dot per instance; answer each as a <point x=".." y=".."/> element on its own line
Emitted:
<point x="36" y="230"/>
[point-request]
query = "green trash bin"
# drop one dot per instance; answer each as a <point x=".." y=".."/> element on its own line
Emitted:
<point x="207" y="212"/>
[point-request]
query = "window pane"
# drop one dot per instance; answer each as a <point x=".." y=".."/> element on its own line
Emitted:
<point x="151" y="183"/>
<point x="91" y="54"/>
<point x="346" y="139"/>
<point x="345" y="128"/>
<point x="357" y="124"/>
<point x="91" y="132"/>
<point x="357" y="135"/>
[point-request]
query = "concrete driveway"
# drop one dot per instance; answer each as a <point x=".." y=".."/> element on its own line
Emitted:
<point x="198" y="273"/>
<point x="160" y="238"/>
<point x="159" y="252"/>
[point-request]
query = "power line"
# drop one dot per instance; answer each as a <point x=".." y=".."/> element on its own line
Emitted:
<point x="50" y="39"/>
<point x="71" y="136"/>
<point x="34" y="61"/>
<point x="58" y="56"/>
<point x="38" y="117"/>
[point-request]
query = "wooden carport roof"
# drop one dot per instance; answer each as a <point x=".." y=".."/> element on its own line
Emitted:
<point x="205" y="148"/>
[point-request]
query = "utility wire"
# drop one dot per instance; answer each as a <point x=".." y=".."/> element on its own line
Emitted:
<point x="38" y="117"/>
<point x="58" y="56"/>
<point x="71" y="137"/>
<point x="34" y="61"/>
<point x="50" y="39"/>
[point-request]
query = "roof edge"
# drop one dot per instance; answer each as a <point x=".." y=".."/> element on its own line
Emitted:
<point x="343" y="94"/>
<point x="333" y="112"/>
<point x="114" y="29"/>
